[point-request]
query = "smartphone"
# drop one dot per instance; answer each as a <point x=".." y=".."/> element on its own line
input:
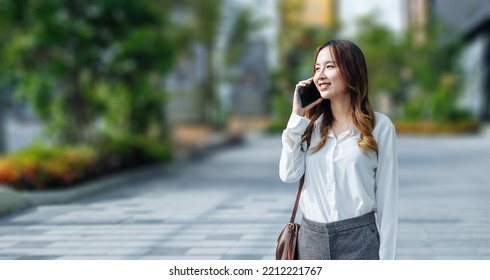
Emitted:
<point x="308" y="94"/>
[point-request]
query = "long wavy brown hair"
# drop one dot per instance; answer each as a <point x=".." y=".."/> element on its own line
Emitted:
<point x="352" y="68"/>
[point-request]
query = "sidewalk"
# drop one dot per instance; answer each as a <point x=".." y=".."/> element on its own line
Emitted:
<point x="231" y="205"/>
<point x="444" y="194"/>
<point x="189" y="142"/>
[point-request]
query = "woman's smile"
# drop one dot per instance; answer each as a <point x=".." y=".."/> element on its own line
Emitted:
<point x="323" y="86"/>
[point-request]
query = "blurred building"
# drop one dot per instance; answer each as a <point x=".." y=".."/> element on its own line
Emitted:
<point x="468" y="19"/>
<point x="471" y="20"/>
<point x="241" y="88"/>
<point x="181" y="84"/>
<point x="311" y="12"/>
<point x="390" y="13"/>
<point x="417" y="15"/>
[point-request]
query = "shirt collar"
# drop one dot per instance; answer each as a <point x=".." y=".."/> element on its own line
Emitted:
<point x="353" y="131"/>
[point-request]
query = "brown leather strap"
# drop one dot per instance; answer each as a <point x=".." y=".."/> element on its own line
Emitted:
<point x="298" y="195"/>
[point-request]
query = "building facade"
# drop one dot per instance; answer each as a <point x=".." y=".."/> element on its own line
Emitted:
<point x="469" y="20"/>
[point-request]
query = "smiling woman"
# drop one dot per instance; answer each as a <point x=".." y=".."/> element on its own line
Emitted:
<point x="330" y="82"/>
<point x="347" y="155"/>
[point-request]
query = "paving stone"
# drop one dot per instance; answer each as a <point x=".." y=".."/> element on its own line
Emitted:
<point x="248" y="251"/>
<point x="255" y="243"/>
<point x="225" y="236"/>
<point x="32" y="244"/>
<point x="188" y="237"/>
<point x="201" y="257"/>
<point x="40" y="257"/>
<point x="242" y="256"/>
<point x="173" y="251"/>
<point x="216" y="243"/>
<point x="178" y="243"/>
<point x="161" y="257"/>
<point x="232" y="205"/>
<point x="207" y="251"/>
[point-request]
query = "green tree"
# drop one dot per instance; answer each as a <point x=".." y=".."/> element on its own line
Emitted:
<point x="420" y="75"/>
<point x="80" y="63"/>
<point x="433" y="74"/>
<point x="383" y="52"/>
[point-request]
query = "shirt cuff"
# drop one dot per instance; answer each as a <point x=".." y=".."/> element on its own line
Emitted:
<point x="297" y="124"/>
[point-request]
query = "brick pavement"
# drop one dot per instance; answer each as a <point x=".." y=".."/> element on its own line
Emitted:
<point x="231" y="205"/>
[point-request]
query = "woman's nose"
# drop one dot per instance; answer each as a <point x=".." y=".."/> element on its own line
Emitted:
<point x="321" y="74"/>
<point x="323" y="70"/>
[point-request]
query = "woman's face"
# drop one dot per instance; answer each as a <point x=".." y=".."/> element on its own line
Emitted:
<point x="327" y="77"/>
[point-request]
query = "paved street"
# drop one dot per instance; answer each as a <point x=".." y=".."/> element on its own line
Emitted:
<point x="231" y="204"/>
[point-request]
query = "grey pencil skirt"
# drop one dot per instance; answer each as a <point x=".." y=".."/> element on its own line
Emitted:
<point x="350" y="239"/>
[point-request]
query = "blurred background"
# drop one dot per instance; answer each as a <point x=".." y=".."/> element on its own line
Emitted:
<point x="89" y="87"/>
<point x="97" y="87"/>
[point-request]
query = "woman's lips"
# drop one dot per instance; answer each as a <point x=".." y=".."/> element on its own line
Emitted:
<point x="323" y="86"/>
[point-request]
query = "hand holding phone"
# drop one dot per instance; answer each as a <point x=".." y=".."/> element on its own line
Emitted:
<point x="308" y="94"/>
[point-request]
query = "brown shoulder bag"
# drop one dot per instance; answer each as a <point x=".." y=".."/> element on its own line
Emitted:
<point x="287" y="240"/>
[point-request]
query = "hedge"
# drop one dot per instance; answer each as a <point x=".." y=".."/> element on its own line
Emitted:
<point x="39" y="167"/>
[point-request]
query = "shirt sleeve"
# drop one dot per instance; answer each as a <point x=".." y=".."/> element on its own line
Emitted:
<point x="387" y="192"/>
<point x="292" y="163"/>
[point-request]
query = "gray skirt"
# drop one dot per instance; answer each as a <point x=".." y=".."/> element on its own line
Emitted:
<point x="350" y="239"/>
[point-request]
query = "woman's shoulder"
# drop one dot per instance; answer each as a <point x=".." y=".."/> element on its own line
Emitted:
<point x="382" y="123"/>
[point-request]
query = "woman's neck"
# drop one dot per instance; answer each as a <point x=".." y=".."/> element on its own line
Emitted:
<point x="341" y="110"/>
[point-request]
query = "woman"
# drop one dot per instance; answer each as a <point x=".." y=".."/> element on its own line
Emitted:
<point x="347" y="154"/>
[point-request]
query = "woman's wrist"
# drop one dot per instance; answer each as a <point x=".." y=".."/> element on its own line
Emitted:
<point x="300" y="113"/>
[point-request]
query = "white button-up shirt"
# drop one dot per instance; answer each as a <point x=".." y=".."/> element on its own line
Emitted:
<point x="341" y="181"/>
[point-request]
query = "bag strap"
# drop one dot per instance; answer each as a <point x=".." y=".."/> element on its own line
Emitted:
<point x="298" y="195"/>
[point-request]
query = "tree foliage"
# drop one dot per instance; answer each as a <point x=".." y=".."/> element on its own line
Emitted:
<point x="383" y="53"/>
<point x="420" y="75"/>
<point x="83" y="64"/>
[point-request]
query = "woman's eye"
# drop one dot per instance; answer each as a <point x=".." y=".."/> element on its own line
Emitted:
<point x="329" y="66"/>
<point x="317" y="69"/>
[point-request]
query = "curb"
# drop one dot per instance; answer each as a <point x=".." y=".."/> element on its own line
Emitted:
<point x="10" y="200"/>
<point x="13" y="201"/>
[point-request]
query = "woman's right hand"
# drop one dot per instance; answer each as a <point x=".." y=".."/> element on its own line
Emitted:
<point x="296" y="105"/>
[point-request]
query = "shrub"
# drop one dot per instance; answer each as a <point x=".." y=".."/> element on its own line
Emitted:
<point x="45" y="167"/>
